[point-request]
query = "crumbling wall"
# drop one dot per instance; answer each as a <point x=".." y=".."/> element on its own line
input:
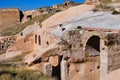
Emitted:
<point x="24" y="44"/>
<point x="5" y="42"/>
<point x="113" y="43"/>
<point x="74" y="39"/>
<point x="75" y="60"/>
<point x="82" y="65"/>
<point x="30" y="14"/>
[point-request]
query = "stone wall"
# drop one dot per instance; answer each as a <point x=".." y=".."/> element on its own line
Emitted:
<point x="5" y="42"/>
<point x="75" y="43"/>
<point x="114" y="51"/>
<point x="24" y="44"/>
<point x="82" y="63"/>
<point x="30" y="14"/>
<point x="79" y="64"/>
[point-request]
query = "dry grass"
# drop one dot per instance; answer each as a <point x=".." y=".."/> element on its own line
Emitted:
<point x="22" y="74"/>
<point x="104" y="7"/>
<point x="15" y="29"/>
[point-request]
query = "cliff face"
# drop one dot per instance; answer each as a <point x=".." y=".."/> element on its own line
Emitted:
<point x="9" y="17"/>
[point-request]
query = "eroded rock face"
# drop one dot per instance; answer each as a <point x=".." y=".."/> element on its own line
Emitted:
<point x="89" y="70"/>
<point x="9" y="17"/>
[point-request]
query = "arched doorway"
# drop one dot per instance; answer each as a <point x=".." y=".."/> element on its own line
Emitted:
<point x="92" y="57"/>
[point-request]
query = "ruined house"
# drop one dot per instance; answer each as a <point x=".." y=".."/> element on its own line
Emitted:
<point x="86" y="47"/>
<point x="65" y="5"/>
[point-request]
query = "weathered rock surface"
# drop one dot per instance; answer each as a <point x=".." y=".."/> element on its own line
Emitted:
<point x="9" y="17"/>
<point x="115" y="75"/>
<point x="63" y="16"/>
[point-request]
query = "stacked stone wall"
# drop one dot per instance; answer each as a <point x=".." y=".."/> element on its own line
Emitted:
<point x="75" y="43"/>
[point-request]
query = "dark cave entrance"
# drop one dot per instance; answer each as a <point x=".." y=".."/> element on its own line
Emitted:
<point x="56" y="70"/>
<point x="94" y="42"/>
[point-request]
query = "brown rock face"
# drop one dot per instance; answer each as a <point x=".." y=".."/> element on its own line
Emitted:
<point x="8" y="17"/>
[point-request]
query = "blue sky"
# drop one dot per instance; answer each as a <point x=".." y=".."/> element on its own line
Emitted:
<point x="30" y="4"/>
